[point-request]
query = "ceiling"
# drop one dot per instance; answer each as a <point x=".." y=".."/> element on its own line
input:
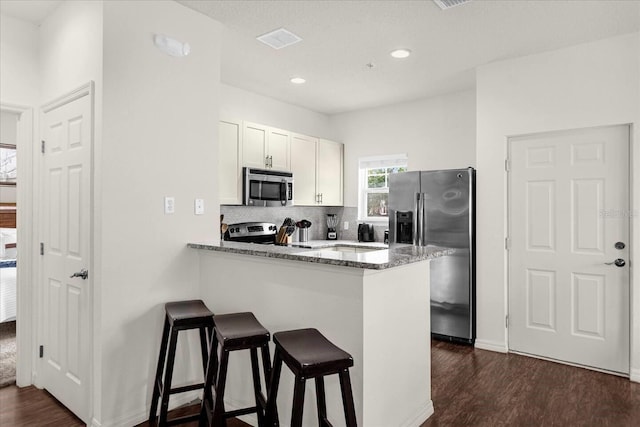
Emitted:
<point x="341" y="37"/>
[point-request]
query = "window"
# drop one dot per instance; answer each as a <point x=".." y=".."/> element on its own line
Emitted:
<point x="8" y="163"/>
<point x="373" y="190"/>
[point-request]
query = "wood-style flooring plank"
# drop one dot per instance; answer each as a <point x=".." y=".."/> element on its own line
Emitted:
<point x="472" y="387"/>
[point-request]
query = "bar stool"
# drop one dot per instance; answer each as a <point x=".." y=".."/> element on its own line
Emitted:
<point x="180" y="316"/>
<point x="233" y="332"/>
<point x="310" y="355"/>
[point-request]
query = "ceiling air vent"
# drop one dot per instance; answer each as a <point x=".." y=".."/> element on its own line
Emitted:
<point x="279" y="38"/>
<point x="448" y="4"/>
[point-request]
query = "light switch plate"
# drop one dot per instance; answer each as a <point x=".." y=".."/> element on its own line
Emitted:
<point x="169" y="205"/>
<point x="198" y="207"/>
<point x="346" y="225"/>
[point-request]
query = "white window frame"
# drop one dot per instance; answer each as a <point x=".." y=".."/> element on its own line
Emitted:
<point x="366" y="163"/>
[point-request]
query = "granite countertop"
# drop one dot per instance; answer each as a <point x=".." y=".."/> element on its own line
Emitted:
<point x="369" y="255"/>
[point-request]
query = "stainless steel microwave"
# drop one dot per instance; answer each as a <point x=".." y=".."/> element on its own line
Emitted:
<point x="263" y="187"/>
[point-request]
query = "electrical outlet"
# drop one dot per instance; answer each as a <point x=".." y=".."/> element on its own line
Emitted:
<point x="169" y="205"/>
<point x="346" y="225"/>
<point x="198" y="207"/>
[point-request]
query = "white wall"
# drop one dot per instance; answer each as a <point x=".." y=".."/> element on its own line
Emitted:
<point x="591" y="84"/>
<point x="160" y="127"/>
<point x="19" y="70"/>
<point x="241" y="104"/>
<point x="436" y="133"/>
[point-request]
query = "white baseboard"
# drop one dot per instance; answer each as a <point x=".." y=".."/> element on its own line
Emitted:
<point x="634" y="375"/>
<point x="426" y="410"/>
<point x="138" y="416"/>
<point x="496" y="346"/>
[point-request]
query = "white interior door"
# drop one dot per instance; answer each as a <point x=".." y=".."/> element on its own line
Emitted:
<point x="568" y="209"/>
<point x="66" y="184"/>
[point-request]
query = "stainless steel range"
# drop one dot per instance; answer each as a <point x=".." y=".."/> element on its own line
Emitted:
<point x="252" y="232"/>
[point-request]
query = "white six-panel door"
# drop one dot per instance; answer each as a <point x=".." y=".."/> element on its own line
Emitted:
<point x="568" y="208"/>
<point x="66" y="184"/>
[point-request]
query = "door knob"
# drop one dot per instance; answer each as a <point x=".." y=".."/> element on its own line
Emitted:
<point x="82" y="274"/>
<point x="618" y="262"/>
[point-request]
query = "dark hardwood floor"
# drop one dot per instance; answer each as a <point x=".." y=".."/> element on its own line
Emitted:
<point x="473" y="387"/>
<point x="469" y="388"/>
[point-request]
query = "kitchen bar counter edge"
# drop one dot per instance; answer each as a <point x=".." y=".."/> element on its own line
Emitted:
<point x="378" y="259"/>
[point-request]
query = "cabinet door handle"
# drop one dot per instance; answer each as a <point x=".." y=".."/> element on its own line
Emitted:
<point x="266" y="161"/>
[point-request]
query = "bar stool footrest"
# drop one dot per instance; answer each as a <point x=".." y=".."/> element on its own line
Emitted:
<point x="186" y="388"/>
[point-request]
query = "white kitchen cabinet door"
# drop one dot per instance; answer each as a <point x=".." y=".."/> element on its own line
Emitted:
<point x="329" y="176"/>
<point x="303" y="166"/>
<point x="278" y="149"/>
<point x="254" y="145"/>
<point x="229" y="162"/>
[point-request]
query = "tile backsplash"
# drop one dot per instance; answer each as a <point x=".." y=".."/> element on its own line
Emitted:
<point x="316" y="214"/>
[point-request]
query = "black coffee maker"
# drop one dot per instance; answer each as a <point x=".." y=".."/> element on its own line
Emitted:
<point x="365" y="232"/>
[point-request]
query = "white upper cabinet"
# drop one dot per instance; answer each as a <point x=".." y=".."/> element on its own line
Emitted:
<point x="330" y="167"/>
<point x="303" y="166"/>
<point x="229" y="162"/>
<point x="316" y="164"/>
<point x="317" y="171"/>
<point x="265" y="147"/>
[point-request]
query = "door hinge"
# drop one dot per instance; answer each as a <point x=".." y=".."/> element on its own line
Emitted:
<point x="42" y="146"/>
<point x="507" y="165"/>
<point x="41" y="351"/>
<point x="41" y="248"/>
<point x="507" y="243"/>
<point x="506" y="321"/>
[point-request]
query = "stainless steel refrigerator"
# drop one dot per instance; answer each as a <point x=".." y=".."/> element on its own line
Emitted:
<point x="437" y="208"/>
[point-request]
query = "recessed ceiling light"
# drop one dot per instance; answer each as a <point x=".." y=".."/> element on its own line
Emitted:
<point x="400" y="53"/>
<point x="297" y="80"/>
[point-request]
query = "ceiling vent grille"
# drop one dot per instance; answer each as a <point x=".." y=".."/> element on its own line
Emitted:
<point x="448" y="4"/>
<point x="279" y="38"/>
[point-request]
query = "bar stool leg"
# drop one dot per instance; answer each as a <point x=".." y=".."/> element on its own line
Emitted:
<point x="257" y="389"/>
<point x="204" y="348"/>
<point x="347" y="398"/>
<point x="274" y="382"/>
<point x="298" y="402"/>
<point x="220" y="381"/>
<point x="321" y="402"/>
<point x="164" y="408"/>
<point x="158" y="379"/>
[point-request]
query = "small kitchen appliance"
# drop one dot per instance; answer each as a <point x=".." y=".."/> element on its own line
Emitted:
<point x="332" y="223"/>
<point x="365" y="232"/>
<point x="252" y="232"/>
<point x="266" y="188"/>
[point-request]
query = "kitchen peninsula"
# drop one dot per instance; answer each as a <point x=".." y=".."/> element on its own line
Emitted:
<point x="371" y="302"/>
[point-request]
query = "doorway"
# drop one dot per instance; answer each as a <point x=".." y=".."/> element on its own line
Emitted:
<point x="569" y="233"/>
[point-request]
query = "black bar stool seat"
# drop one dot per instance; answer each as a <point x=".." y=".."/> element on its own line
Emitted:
<point x="233" y="332"/>
<point x="179" y="316"/>
<point x="310" y="355"/>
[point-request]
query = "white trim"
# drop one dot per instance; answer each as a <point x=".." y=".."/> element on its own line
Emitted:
<point x="79" y="92"/>
<point x="634" y="375"/>
<point x="575" y="365"/>
<point x="25" y="358"/>
<point x="425" y="411"/>
<point x="138" y="416"/>
<point x="499" y="347"/>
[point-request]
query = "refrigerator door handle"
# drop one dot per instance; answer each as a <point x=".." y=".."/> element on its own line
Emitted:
<point x="416" y="219"/>
<point x="420" y="220"/>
